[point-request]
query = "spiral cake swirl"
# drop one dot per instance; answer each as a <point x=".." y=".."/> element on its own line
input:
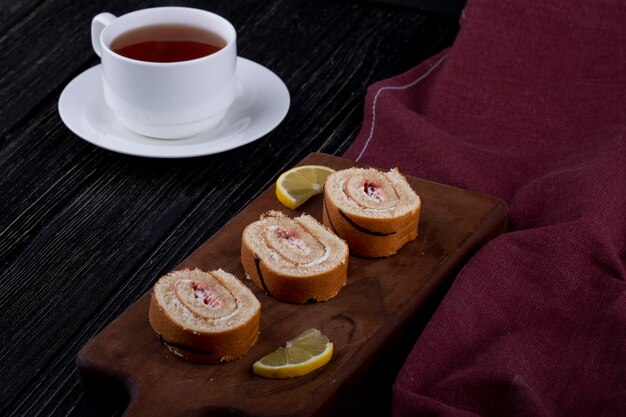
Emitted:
<point x="294" y="260"/>
<point x="206" y="317"/>
<point x="375" y="212"/>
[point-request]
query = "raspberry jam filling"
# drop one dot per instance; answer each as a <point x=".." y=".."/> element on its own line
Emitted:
<point x="204" y="292"/>
<point x="373" y="190"/>
<point x="293" y="238"/>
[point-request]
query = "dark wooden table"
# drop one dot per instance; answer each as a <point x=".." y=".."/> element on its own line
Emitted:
<point x="84" y="231"/>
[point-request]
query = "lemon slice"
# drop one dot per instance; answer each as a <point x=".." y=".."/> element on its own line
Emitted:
<point x="306" y="353"/>
<point x="298" y="184"/>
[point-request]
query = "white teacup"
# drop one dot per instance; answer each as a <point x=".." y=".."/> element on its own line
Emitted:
<point x="170" y="100"/>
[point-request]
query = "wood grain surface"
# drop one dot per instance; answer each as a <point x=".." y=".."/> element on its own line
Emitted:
<point x="381" y="297"/>
<point x="84" y="232"/>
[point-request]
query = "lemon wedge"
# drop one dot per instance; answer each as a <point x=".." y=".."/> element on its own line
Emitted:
<point x="298" y="184"/>
<point x="301" y="355"/>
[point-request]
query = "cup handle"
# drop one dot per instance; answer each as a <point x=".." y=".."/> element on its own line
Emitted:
<point x="97" y="26"/>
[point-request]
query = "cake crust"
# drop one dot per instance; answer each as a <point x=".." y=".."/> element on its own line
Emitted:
<point x="374" y="225"/>
<point x="202" y="339"/>
<point x="279" y="275"/>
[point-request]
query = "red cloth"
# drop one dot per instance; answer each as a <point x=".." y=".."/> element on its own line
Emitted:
<point x="529" y="105"/>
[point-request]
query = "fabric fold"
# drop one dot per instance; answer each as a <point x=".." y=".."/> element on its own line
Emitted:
<point x="529" y="105"/>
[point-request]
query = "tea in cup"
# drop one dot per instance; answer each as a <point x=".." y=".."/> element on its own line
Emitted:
<point x="167" y="72"/>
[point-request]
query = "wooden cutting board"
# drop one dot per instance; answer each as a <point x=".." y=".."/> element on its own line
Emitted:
<point x="381" y="297"/>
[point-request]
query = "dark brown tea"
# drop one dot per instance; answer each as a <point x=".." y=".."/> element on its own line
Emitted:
<point x="167" y="43"/>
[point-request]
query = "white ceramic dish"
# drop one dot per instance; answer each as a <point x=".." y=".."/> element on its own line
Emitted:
<point x="261" y="104"/>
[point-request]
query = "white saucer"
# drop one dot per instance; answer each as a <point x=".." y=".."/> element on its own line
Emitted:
<point x="261" y="104"/>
